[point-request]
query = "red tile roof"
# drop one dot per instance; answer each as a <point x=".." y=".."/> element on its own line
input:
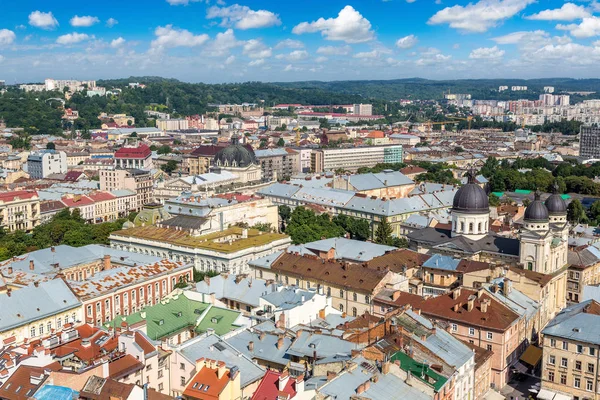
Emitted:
<point x="376" y="135"/>
<point x="101" y="196"/>
<point x="77" y="201"/>
<point x="19" y="194"/>
<point x="124" y="366"/>
<point x="142" y="151"/>
<point x="268" y="389"/>
<point x="206" y="384"/>
<point x="72" y="176"/>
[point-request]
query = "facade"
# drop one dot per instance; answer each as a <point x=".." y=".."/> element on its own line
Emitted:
<point x="199" y="161"/>
<point x="571" y="350"/>
<point x="19" y="210"/>
<point x="387" y="184"/>
<point x="138" y="156"/>
<point x="362" y="109"/>
<point x="589" y="142"/>
<point x="172" y="124"/>
<point x="353" y="158"/>
<point x="213" y="380"/>
<point x="280" y="163"/>
<point x="137" y="180"/>
<point x="238" y="160"/>
<point x="42" y="163"/>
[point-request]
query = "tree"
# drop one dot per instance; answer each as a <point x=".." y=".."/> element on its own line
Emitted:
<point x="595" y="211"/>
<point x="133" y="134"/>
<point x="383" y="233"/>
<point x="494" y="200"/>
<point x="50" y="146"/>
<point x="281" y="142"/>
<point x="164" y="149"/>
<point x="458" y="149"/>
<point x="284" y="212"/>
<point x="169" y="167"/>
<point x="576" y="212"/>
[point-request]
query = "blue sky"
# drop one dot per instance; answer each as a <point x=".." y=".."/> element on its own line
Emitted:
<point x="222" y="41"/>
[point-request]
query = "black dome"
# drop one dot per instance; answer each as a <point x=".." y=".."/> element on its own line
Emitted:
<point x="471" y="198"/>
<point x="555" y="204"/>
<point x="536" y="211"/>
<point x="235" y="155"/>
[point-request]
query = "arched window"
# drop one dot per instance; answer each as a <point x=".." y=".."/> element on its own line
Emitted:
<point x="470" y="227"/>
<point x="479" y="230"/>
<point x="354" y="296"/>
<point x="341" y="309"/>
<point x="354" y="312"/>
<point x="367" y="299"/>
<point x="342" y="293"/>
<point x="462" y="226"/>
<point x="328" y="292"/>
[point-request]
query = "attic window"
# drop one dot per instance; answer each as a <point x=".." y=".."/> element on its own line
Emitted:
<point x="214" y="320"/>
<point x="197" y="311"/>
<point x="161" y="322"/>
<point x="179" y="314"/>
<point x="577" y="330"/>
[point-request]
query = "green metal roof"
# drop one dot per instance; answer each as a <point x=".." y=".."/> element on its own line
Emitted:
<point x="498" y="194"/>
<point x="420" y="371"/>
<point x="179" y="313"/>
<point x="565" y="196"/>
<point x="522" y="191"/>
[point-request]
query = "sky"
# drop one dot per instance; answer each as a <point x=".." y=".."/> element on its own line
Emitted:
<point x="217" y="41"/>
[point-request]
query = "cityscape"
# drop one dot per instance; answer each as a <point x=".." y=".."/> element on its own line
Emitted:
<point x="258" y="201"/>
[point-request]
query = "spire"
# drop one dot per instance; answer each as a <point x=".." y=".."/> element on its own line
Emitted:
<point x="536" y="195"/>
<point x="555" y="187"/>
<point x="471" y="175"/>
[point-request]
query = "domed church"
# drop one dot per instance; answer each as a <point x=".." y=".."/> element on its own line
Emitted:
<point x="239" y="160"/>
<point x="541" y="245"/>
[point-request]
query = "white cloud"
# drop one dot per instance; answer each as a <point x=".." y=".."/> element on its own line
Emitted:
<point x="349" y="26"/>
<point x="1" y="58"/>
<point x="242" y="17"/>
<point x="480" y="16"/>
<point x="407" y="42"/>
<point x="254" y="48"/>
<point x="72" y="38"/>
<point x="367" y="54"/>
<point x="167" y="36"/>
<point x="290" y="67"/>
<point x="256" y="63"/>
<point x="223" y="43"/>
<point x="568" y="12"/>
<point x="84" y="21"/>
<point x="432" y="56"/>
<point x="118" y="42"/>
<point x="111" y="22"/>
<point x="487" y="53"/>
<point x="321" y="59"/>
<point x="42" y="20"/>
<point x="517" y="37"/>
<point x="295" y="55"/>
<point x="290" y="44"/>
<point x="229" y="60"/>
<point x="589" y="26"/>
<point x="7" y="37"/>
<point x="334" y="51"/>
<point x="569" y="53"/>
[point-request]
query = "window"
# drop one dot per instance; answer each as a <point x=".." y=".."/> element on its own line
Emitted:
<point x="341" y="308"/>
<point x="367" y="299"/>
<point x="342" y="293"/>
<point x="471" y="331"/>
<point x="58" y="323"/>
<point x="489" y="347"/>
<point x="354" y="312"/>
<point x="563" y="379"/>
<point x="354" y="296"/>
<point x="591" y="368"/>
<point x="182" y="366"/>
<point x="552" y="360"/>
<point x="551" y="376"/>
<point x="160" y="373"/>
<point x="106" y="304"/>
<point x="577" y="382"/>
<point x="472" y="341"/>
<point x="489" y="335"/>
<point x="182" y="381"/>
<point x="160" y="387"/>
<point x="578" y="365"/>
<point x="89" y="311"/>
<point x="579" y="348"/>
<point x="552" y="342"/>
<point x="32" y="331"/>
<point x="564" y="362"/>
<point x="565" y="346"/>
<point x="592" y="351"/>
<point x="589" y="385"/>
<point x="454" y="327"/>
<point x="49" y="326"/>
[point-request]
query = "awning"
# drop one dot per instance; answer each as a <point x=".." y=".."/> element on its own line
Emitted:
<point x="493" y="395"/>
<point x="560" y="396"/>
<point x="546" y="394"/>
<point x="532" y="355"/>
<point x="521" y="368"/>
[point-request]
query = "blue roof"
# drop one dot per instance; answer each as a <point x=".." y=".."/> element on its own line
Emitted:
<point x="51" y="392"/>
<point x="438" y="261"/>
<point x="383" y="179"/>
<point x="348" y="249"/>
<point x="575" y="324"/>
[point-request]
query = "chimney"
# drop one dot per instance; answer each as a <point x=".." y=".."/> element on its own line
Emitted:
<point x="367" y="385"/>
<point x="251" y="346"/>
<point x="8" y="292"/>
<point x="299" y="333"/>
<point x="507" y="286"/>
<point x="331" y="375"/>
<point x="471" y="302"/>
<point x="456" y="294"/>
<point x="31" y="265"/>
<point x="280" y="342"/>
<point x="200" y="363"/>
<point x="107" y="264"/>
<point x="221" y="369"/>
<point x="36" y="284"/>
<point x="360" y="389"/>
<point x="479" y="292"/>
<point x="322" y="313"/>
<point x="385" y="368"/>
<point x="417" y="311"/>
<point x="52" y="249"/>
<point x="396" y="295"/>
<point x="10" y="269"/>
<point x="262" y="336"/>
<point x="299" y="385"/>
<point x="283" y="380"/>
<point x="484" y="305"/>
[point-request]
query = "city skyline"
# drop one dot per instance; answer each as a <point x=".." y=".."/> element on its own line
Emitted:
<point x="220" y="41"/>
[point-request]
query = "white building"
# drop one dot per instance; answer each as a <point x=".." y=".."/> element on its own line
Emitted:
<point x="172" y="124"/>
<point x="363" y="109"/>
<point x="293" y="306"/>
<point x="42" y="163"/>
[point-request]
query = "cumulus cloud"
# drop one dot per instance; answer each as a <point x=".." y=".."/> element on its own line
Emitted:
<point x="432" y="56"/>
<point x="223" y="43"/>
<point x="290" y="67"/>
<point x="367" y="54"/>
<point x="406" y="42"/>
<point x="72" y="38"/>
<point x="42" y="20"/>
<point x="111" y="22"/>
<point x="487" y="53"/>
<point x="321" y="59"/>
<point x="480" y="16"/>
<point x="256" y="63"/>
<point x="118" y="42"/>
<point x="167" y="36"/>
<point x="568" y="12"/>
<point x="349" y="26"/>
<point x="7" y="37"/>
<point x="589" y="26"/>
<point x="255" y="48"/>
<point x="295" y="55"/>
<point x="290" y="44"/>
<point x="334" y="51"/>
<point x="230" y="60"/>
<point x="85" y="21"/>
<point x="242" y="17"/>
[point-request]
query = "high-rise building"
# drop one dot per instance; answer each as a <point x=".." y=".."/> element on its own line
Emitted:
<point x="42" y="163"/>
<point x="589" y="142"/>
<point x="363" y="109"/>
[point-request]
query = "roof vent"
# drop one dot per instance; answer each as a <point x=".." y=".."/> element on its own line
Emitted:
<point x="577" y="330"/>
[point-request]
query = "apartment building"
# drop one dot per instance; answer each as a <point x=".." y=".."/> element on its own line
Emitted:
<point x="571" y="347"/>
<point x="137" y="156"/>
<point x="105" y="206"/>
<point x="353" y="158"/>
<point x="281" y="163"/>
<point x="589" y="142"/>
<point x="137" y="180"/>
<point x="42" y="163"/>
<point x="172" y="124"/>
<point x="199" y="161"/>
<point x="19" y="210"/>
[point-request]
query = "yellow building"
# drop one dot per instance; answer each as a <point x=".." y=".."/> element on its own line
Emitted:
<point x="19" y="210"/>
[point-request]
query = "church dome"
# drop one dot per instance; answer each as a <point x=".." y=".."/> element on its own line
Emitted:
<point x="536" y="211"/>
<point x="471" y="198"/>
<point x="235" y="155"/>
<point x="555" y="204"/>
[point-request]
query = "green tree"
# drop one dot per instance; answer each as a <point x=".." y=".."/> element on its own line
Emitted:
<point x="576" y="212"/>
<point x="281" y="142"/>
<point x="494" y="200"/>
<point x="169" y="167"/>
<point x="595" y="211"/>
<point x="133" y="134"/>
<point x="383" y="233"/>
<point x="164" y="149"/>
<point x="50" y="146"/>
<point x="285" y="212"/>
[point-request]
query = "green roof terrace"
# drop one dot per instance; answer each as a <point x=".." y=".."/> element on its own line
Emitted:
<point x="420" y="371"/>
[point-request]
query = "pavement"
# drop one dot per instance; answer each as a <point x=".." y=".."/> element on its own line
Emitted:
<point x="519" y="389"/>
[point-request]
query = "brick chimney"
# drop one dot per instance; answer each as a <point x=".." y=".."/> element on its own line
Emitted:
<point x="471" y="302"/>
<point x="8" y="292"/>
<point x="251" y="346"/>
<point x="507" y="286"/>
<point x="360" y="389"/>
<point x="31" y="265"/>
<point x="456" y="294"/>
<point x="262" y="336"/>
<point x="10" y="269"/>
<point x="283" y="380"/>
<point x="331" y="375"/>
<point x="484" y="305"/>
<point x="385" y="368"/>
<point x="36" y="284"/>
<point x="396" y="295"/>
<point x="106" y="262"/>
<point x="221" y="369"/>
<point x="280" y="342"/>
